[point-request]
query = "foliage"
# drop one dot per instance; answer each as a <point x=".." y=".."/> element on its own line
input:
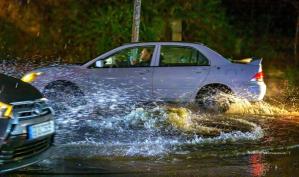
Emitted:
<point x="292" y="76"/>
<point x="80" y="30"/>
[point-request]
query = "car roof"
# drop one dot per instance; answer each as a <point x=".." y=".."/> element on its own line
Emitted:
<point x="163" y="42"/>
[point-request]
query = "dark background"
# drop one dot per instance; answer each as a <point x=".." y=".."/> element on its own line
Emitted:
<point x="78" y="30"/>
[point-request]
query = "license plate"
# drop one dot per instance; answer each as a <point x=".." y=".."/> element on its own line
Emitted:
<point x="39" y="130"/>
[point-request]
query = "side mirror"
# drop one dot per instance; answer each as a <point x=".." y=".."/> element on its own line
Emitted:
<point x="100" y="64"/>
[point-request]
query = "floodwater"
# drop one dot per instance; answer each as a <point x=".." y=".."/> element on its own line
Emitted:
<point x="271" y="149"/>
<point x="170" y="140"/>
<point x="150" y="142"/>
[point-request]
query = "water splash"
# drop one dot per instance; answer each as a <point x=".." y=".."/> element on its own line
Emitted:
<point x="143" y="131"/>
<point x="243" y="106"/>
<point x="18" y="67"/>
<point x="150" y="132"/>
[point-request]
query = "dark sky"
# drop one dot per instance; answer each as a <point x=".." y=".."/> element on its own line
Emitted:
<point x="271" y="16"/>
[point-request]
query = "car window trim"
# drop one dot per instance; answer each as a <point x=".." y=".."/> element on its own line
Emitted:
<point x="138" y="46"/>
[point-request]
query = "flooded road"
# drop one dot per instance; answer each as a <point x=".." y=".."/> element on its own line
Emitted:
<point x="166" y="140"/>
<point x="269" y="147"/>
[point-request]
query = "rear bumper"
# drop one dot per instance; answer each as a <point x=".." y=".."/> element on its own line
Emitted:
<point x="253" y="91"/>
<point x="38" y="150"/>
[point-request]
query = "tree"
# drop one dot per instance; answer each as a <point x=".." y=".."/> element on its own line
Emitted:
<point x="295" y="4"/>
<point x="136" y="21"/>
<point x="296" y="39"/>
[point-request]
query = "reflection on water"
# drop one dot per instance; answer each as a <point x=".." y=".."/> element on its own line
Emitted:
<point x="257" y="167"/>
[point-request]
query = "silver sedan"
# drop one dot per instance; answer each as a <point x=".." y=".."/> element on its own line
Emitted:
<point x="151" y="71"/>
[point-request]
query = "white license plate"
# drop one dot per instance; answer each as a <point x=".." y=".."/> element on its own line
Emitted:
<point x="42" y="129"/>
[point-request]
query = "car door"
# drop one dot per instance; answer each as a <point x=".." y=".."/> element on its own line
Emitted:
<point x="180" y="72"/>
<point x="124" y="76"/>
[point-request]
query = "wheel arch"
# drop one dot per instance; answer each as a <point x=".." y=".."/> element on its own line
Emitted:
<point x="64" y="83"/>
<point x="220" y="86"/>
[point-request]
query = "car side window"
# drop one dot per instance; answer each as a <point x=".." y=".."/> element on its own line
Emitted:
<point x="181" y="56"/>
<point x="129" y="57"/>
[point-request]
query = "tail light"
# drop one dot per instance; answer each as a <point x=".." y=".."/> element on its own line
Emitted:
<point x="258" y="77"/>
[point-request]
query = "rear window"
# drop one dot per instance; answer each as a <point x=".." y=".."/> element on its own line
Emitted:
<point x="181" y="56"/>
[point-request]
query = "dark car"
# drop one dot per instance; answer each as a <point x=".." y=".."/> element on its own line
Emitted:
<point x="26" y="124"/>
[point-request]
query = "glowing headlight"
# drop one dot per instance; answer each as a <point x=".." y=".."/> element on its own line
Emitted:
<point x="30" y="77"/>
<point x="5" y="110"/>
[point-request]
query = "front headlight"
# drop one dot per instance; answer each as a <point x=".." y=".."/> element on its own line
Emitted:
<point x="5" y="110"/>
<point x="30" y="77"/>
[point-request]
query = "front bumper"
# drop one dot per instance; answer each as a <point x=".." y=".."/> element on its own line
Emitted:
<point x="19" y="149"/>
<point x="15" y="157"/>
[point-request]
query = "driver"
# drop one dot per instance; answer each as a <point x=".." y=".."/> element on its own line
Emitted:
<point x="145" y="58"/>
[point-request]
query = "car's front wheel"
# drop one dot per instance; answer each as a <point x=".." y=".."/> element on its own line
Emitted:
<point x="214" y="99"/>
<point x="64" y="93"/>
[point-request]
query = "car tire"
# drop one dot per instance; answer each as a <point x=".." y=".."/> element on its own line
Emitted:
<point x="214" y="99"/>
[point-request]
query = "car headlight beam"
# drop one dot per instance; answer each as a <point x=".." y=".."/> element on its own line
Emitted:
<point x="30" y="77"/>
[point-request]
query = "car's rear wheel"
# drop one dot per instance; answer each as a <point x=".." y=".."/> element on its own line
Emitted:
<point x="214" y="99"/>
<point x="64" y="93"/>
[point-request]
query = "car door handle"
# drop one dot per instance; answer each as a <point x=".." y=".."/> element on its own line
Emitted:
<point x="144" y="72"/>
<point x="201" y="71"/>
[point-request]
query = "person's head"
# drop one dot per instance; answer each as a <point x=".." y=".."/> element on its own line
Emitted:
<point x="145" y="54"/>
